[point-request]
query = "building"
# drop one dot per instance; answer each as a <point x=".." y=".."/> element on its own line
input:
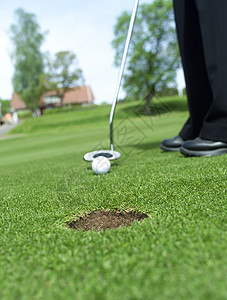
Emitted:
<point x="78" y="95"/>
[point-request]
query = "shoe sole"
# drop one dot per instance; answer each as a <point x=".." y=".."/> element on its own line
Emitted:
<point x="170" y="149"/>
<point x="191" y="153"/>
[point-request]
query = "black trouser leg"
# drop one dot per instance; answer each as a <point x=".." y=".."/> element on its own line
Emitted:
<point x="199" y="36"/>
<point x="191" y="49"/>
<point x="213" y="23"/>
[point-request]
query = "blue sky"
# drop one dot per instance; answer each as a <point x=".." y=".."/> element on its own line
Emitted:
<point x="82" y="26"/>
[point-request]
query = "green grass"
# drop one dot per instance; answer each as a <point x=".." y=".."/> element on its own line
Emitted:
<point x="178" y="253"/>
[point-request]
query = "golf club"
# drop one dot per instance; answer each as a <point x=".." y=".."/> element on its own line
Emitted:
<point x="111" y="154"/>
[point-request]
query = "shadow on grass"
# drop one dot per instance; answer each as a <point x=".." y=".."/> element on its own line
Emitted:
<point x="144" y="146"/>
<point x="178" y="105"/>
<point x="148" y="146"/>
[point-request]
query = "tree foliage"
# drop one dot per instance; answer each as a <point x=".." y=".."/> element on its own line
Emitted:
<point x="27" y="57"/>
<point x="5" y="106"/>
<point x="64" y="73"/>
<point x="153" y="56"/>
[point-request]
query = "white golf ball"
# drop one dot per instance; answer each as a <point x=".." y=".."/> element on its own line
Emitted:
<point x="101" y="165"/>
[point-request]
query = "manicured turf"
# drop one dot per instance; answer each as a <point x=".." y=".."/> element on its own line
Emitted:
<point x="178" y="253"/>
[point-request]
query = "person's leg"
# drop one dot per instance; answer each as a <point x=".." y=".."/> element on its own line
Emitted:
<point x="197" y="84"/>
<point x="213" y="24"/>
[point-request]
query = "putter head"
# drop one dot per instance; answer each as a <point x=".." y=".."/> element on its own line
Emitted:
<point x="109" y="154"/>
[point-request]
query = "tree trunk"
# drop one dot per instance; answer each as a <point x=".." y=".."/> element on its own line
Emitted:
<point x="148" y="101"/>
<point x="147" y="106"/>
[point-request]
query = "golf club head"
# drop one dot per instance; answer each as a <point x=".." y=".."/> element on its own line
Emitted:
<point x="109" y="154"/>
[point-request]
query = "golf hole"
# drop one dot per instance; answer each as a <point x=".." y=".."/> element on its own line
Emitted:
<point x="105" y="219"/>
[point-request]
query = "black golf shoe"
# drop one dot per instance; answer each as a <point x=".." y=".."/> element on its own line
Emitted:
<point x="200" y="147"/>
<point x="173" y="144"/>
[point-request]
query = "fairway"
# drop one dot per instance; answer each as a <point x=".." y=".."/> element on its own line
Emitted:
<point x="179" y="252"/>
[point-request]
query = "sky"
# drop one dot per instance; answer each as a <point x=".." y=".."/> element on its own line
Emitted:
<point x="82" y="26"/>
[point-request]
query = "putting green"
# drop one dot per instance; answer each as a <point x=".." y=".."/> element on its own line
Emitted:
<point x="179" y="252"/>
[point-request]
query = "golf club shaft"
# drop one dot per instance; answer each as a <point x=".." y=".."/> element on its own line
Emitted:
<point x="127" y="43"/>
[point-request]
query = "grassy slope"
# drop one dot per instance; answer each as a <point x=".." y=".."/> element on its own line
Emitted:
<point x="178" y="253"/>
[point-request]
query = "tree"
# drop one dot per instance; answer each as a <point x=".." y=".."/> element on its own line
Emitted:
<point x="5" y="106"/>
<point x="64" y="74"/>
<point x="153" y="56"/>
<point x="27" y="57"/>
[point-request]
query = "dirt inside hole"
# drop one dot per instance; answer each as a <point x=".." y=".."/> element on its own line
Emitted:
<point x="105" y="219"/>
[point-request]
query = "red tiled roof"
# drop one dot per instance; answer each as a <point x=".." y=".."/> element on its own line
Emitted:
<point x="16" y="102"/>
<point x="80" y="95"/>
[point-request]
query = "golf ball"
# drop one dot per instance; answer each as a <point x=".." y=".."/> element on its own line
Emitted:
<point x="101" y="165"/>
